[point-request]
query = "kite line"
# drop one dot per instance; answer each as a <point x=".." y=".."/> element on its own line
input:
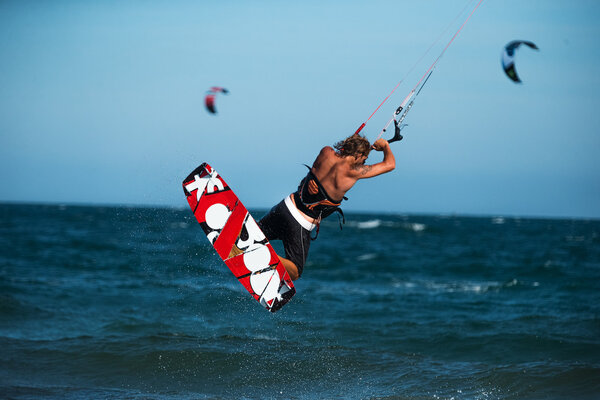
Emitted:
<point x="419" y="86"/>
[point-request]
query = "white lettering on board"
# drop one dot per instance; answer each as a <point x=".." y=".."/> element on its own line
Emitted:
<point x="209" y="182"/>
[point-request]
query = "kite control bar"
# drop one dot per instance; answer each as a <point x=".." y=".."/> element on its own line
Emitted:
<point x="397" y="126"/>
<point x="401" y="109"/>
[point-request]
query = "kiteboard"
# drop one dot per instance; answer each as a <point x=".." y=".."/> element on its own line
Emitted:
<point x="237" y="238"/>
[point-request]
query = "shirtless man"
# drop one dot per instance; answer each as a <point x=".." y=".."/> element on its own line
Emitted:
<point x="320" y="194"/>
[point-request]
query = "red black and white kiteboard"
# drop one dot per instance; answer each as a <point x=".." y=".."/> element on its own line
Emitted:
<point x="236" y="237"/>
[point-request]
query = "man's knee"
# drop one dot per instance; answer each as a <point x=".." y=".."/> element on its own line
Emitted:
<point x="291" y="268"/>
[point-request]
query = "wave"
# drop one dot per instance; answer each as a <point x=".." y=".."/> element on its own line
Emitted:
<point x="415" y="227"/>
<point x="366" y="257"/>
<point x="378" y="223"/>
<point x="371" y="224"/>
<point x="463" y="286"/>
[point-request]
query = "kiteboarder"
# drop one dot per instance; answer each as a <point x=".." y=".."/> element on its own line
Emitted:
<point x="320" y="194"/>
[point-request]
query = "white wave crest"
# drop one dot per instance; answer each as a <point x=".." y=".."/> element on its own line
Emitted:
<point x="462" y="286"/>
<point x="370" y="224"/>
<point x="416" y="227"/>
<point x="365" y="257"/>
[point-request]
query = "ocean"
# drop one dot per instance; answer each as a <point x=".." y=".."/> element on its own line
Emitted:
<point x="133" y="303"/>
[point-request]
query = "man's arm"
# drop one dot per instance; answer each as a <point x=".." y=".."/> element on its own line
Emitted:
<point x="387" y="165"/>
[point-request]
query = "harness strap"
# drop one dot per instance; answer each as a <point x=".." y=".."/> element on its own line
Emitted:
<point x="315" y="187"/>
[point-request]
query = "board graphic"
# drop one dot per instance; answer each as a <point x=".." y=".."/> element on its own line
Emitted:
<point x="237" y="239"/>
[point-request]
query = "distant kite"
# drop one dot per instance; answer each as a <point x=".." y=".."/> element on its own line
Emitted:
<point x="508" y="58"/>
<point x="209" y="100"/>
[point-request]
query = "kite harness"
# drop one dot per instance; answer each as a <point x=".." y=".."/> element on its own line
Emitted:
<point x="313" y="200"/>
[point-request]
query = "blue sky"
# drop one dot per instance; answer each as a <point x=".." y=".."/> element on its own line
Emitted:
<point x="102" y="102"/>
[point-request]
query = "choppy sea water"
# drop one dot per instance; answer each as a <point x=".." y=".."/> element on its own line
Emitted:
<point x="133" y="303"/>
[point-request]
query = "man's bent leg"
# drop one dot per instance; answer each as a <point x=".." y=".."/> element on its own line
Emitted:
<point x="280" y="224"/>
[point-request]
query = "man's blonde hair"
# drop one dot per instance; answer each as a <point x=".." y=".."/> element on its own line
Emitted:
<point x="354" y="145"/>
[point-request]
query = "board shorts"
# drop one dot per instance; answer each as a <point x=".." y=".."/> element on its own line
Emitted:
<point x="284" y="222"/>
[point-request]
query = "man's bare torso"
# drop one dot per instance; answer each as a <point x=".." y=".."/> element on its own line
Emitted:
<point x="334" y="173"/>
<point x="338" y="173"/>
